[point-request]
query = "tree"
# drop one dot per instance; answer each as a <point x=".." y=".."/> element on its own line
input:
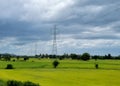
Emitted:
<point x="26" y="58"/>
<point x="66" y="56"/>
<point x="73" y="56"/>
<point x="55" y="63"/>
<point x="96" y="66"/>
<point x="7" y="57"/>
<point x="95" y="57"/>
<point x="85" y="56"/>
<point x="109" y="56"/>
<point x="117" y="57"/>
<point x="18" y="57"/>
<point x="9" y="66"/>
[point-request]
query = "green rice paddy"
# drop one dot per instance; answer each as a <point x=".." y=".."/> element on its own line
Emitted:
<point x="68" y="73"/>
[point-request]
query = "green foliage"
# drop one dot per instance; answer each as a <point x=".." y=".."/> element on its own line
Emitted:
<point x="28" y="83"/>
<point x="19" y="83"/>
<point x="26" y="58"/>
<point x="96" y="57"/>
<point x="96" y="66"/>
<point x="9" y="66"/>
<point x="55" y="63"/>
<point x="2" y="83"/>
<point x="14" y="83"/>
<point x="85" y="56"/>
<point x="117" y="58"/>
<point x="74" y="56"/>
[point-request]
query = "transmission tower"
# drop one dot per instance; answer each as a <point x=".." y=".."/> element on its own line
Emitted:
<point x="35" y="49"/>
<point x="54" y="49"/>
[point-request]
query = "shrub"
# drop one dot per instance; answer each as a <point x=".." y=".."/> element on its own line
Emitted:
<point x="28" y="83"/>
<point x="14" y="83"/>
<point x="9" y="66"/>
<point x="55" y="63"/>
<point x="13" y="60"/>
<point x="96" y="66"/>
<point x="26" y="58"/>
<point x="2" y="83"/>
<point x="19" y="83"/>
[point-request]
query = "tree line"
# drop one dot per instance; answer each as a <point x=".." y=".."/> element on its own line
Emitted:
<point x="84" y="56"/>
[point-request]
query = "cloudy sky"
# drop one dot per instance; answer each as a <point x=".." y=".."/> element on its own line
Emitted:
<point x="93" y="26"/>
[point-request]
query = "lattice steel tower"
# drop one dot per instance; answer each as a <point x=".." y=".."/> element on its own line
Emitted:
<point x="54" y="48"/>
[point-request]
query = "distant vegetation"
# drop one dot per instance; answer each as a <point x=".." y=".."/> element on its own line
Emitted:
<point x="54" y="60"/>
<point x="17" y="83"/>
<point x="84" y="56"/>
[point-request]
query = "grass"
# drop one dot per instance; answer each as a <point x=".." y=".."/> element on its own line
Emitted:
<point x="69" y="72"/>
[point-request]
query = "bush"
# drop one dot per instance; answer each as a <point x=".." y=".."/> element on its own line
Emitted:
<point x="13" y="60"/>
<point x="2" y="83"/>
<point x="14" y="83"/>
<point x="18" y="83"/>
<point x="28" y="83"/>
<point x="96" y="66"/>
<point x="26" y="58"/>
<point x="55" y="63"/>
<point x="9" y="66"/>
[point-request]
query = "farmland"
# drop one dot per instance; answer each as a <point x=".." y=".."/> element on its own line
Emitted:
<point x="68" y="73"/>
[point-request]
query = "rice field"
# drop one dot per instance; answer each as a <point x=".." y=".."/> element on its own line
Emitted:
<point x="68" y="73"/>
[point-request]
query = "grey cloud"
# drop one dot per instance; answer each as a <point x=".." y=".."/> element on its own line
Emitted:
<point x="24" y="31"/>
<point x="116" y="27"/>
<point x="81" y="14"/>
<point x="82" y="21"/>
<point x="11" y="9"/>
<point x="99" y="2"/>
<point x="28" y="21"/>
<point x="89" y="32"/>
<point x="94" y="37"/>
